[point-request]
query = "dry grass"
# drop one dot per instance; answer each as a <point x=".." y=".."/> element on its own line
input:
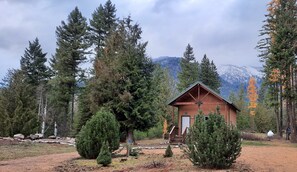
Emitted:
<point x="21" y="150"/>
<point x="150" y="160"/>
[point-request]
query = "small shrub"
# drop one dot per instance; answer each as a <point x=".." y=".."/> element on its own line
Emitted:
<point x="156" y="131"/>
<point x="134" y="152"/>
<point x="140" y="135"/>
<point x="212" y="143"/>
<point x="100" y="128"/>
<point x="168" y="152"/>
<point x="104" y="156"/>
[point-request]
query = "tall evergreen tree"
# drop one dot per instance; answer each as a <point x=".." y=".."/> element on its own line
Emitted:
<point x="165" y="90"/>
<point x="17" y="112"/>
<point x="103" y="20"/>
<point x="124" y="80"/>
<point x="189" y="69"/>
<point x="209" y="75"/>
<point x="36" y="74"/>
<point x="278" y="52"/>
<point x="70" y="53"/>
<point x="216" y="83"/>
<point x="33" y="63"/>
<point x="103" y="23"/>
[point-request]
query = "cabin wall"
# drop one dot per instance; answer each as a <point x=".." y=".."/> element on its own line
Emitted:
<point x="233" y="117"/>
<point x="192" y="110"/>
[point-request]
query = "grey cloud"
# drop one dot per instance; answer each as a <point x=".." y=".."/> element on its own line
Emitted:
<point x="226" y="31"/>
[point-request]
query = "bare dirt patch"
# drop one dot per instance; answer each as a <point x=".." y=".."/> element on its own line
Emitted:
<point x="256" y="156"/>
<point x="16" y="150"/>
<point x="37" y="163"/>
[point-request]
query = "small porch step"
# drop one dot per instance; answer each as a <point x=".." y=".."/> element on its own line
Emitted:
<point x="176" y="140"/>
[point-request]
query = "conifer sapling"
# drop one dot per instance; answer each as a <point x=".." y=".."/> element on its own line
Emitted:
<point x="168" y="152"/>
<point x="104" y="156"/>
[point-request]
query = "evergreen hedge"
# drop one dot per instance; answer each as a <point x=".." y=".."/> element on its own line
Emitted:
<point x="212" y="143"/>
<point x="102" y="127"/>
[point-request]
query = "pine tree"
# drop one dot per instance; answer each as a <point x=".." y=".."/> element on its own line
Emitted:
<point x="189" y="69"/>
<point x="33" y="64"/>
<point x="102" y="22"/>
<point x="36" y="75"/>
<point x="164" y="88"/>
<point x="168" y="152"/>
<point x="104" y="156"/>
<point x="101" y="128"/>
<point x="17" y="112"/>
<point x="278" y="51"/>
<point x="212" y="143"/>
<point x="123" y="80"/>
<point x="71" y="42"/>
<point x="209" y="75"/>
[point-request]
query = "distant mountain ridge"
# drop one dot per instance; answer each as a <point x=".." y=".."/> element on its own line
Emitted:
<point x="231" y="76"/>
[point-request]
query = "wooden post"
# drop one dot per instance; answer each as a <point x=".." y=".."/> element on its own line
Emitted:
<point x="172" y="115"/>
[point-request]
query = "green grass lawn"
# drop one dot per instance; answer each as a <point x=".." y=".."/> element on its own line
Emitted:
<point x="21" y="150"/>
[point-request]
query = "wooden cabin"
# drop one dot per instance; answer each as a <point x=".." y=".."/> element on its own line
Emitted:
<point x="198" y="97"/>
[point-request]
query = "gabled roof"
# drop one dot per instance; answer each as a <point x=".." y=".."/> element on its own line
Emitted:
<point x="206" y="88"/>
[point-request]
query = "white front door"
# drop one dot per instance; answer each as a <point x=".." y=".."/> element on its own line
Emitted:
<point x="185" y="123"/>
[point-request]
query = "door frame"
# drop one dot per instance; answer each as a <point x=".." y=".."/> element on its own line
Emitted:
<point x="181" y="121"/>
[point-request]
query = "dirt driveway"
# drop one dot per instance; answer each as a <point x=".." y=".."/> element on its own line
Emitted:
<point x="37" y="163"/>
<point x="270" y="158"/>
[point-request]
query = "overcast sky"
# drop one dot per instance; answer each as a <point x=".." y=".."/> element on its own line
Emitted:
<point x="227" y="30"/>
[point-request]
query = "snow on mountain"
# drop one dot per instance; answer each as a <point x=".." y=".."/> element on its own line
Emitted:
<point x="232" y="76"/>
<point x="232" y="73"/>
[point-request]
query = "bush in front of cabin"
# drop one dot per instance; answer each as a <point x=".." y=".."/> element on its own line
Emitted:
<point x="168" y="152"/>
<point x="212" y="143"/>
<point x="104" y="156"/>
<point x="102" y="127"/>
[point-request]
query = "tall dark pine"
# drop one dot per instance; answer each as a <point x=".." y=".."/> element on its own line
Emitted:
<point x="33" y="63"/>
<point x="103" y="20"/>
<point x="70" y="53"/>
<point x="189" y="69"/>
<point x="216" y="83"/>
<point x="209" y="75"/>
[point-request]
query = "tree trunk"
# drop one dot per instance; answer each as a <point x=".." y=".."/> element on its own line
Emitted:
<point x="281" y="112"/>
<point x="277" y="120"/>
<point x="129" y="140"/>
<point x="72" y="112"/>
<point x="277" y="111"/>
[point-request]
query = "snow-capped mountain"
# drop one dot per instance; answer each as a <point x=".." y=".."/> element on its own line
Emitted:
<point x="232" y="73"/>
<point x="232" y="76"/>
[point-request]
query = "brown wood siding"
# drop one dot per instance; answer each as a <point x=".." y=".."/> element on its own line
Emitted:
<point x="209" y="105"/>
